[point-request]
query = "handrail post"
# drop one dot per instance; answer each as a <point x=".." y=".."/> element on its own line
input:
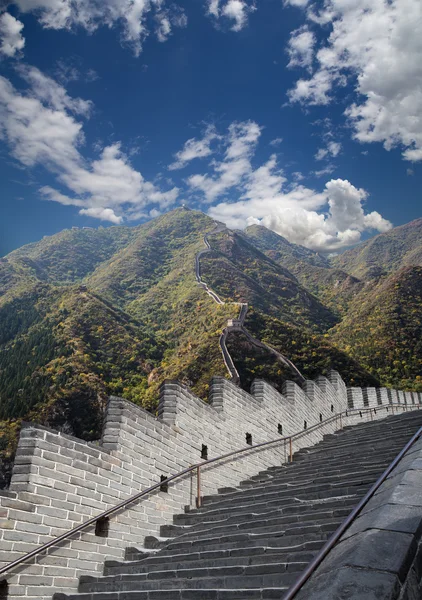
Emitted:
<point x="291" y="449"/>
<point x="198" y="487"/>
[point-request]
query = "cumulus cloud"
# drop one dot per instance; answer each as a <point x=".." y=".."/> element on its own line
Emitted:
<point x="240" y="144"/>
<point x="377" y="46"/>
<point x="325" y="171"/>
<point x="299" y="3"/>
<point x="331" y="151"/>
<point x="236" y="11"/>
<point x="297" y="215"/>
<point x="11" y="38"/>
<point x="51" y="93"/>
<point x="195" y="148"/>
<point x="301" y="47"/>
<point x="40" y="130"/>
<point x="104" y="214"/>
<point x="132" y="15"/>
<point x="325" y="220"/>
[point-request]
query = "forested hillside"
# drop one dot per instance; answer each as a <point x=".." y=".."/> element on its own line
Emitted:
<point x="385" y="253"/>
<point x="87" y="313"/>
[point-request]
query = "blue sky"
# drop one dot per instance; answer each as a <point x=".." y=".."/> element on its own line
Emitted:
<point x="305" y="117"/>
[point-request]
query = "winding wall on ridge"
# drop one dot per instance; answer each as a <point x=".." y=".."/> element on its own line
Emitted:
<point x="240" y="326"/>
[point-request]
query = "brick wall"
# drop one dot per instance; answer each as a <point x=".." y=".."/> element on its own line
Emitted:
<point x="59" y="481"/>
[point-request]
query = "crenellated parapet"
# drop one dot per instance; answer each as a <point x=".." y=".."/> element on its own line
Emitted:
<point x="59" y="481"/>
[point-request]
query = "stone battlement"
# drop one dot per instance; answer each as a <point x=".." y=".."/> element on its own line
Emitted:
<point x="59" y="481"/>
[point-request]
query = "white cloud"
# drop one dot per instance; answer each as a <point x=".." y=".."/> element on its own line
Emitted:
<point x="214" y="7"/>
<point x="298" y="3"/>
<point x="301" y="47"/>
<point x="11" y="38"/>
<point x="324" y="221"/>
<point x="332" y="150"/>
<point x="377" y="45"/>
<point x="194" y="148"/>
<point x="325" y="171"/>
<point x="294" y="215"/>
<point x="276" y="141"/>
<point x="240" y="144"/>
<point x="40" y="131"/>
<point x="104" y="214"/>
<point x="236" y="11"/>
<point x="51" y="93"/>
<point x="133" y="15"/>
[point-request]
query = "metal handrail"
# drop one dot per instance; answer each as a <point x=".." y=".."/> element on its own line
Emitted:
<point x="314" y="564"/>
<point x="105" y="514"/>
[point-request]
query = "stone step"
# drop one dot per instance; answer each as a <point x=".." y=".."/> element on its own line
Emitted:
<point x="185" y="594"/>
<point x="251" y="552"/>
<point x="165" y="564"/>
<point x="342" y="437"/>
<point x="128" y="583"/>
<point x="289" y="506"/>
<point x="301" y="493"/>
<point x="368" y="463"/>
<point x="290" y="477"/>
<point x="353" y="445"/>
<point x="285" y="487"/>
<point x="92" y="584"/>
<point x="276" y="540"/>
<point x="241" y="521"/>
<point x="256" y="530"/>
<point x="319" y="464"/>
<point x="276" y="520"/>
<point x="322" y="457"/>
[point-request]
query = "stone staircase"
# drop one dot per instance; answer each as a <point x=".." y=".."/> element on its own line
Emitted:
<point x="253" y="541"/>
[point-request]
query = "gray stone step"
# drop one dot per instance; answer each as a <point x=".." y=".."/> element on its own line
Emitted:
<point x="283" y="569"/>
<point x="271" y="518"/>
<point x="128" y="583"/>
<point x="302" y="493"/>
<point x="355" y="445"/>
<point x="164" y="563"/>
<point x="242" y="522"/>
<point x="242" y="551"/>
<point x="260" y="530"/>
<point x="289" y="506"/>
<point x="178" y="594"/>
<point x="291" y="477"/>
<point x="281" y="487"/>
<point x="277" y="540"/>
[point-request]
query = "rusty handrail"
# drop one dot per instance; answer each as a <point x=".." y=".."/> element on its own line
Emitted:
<point x="105" y="514"/>
<point x="317" y="560"/>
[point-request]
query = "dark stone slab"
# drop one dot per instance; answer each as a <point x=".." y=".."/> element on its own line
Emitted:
<point x="390" y="517"/>
<point x="351" y="584"/>
<point x="374" y="549"/>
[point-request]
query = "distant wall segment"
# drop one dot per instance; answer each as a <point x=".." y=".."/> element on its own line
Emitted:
<point x="59" y="481"/>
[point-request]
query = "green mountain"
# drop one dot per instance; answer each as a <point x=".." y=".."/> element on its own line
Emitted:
<point x="86" y="313"/>
<point x="383" y="329"/>
<point x="385" y="253"/>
